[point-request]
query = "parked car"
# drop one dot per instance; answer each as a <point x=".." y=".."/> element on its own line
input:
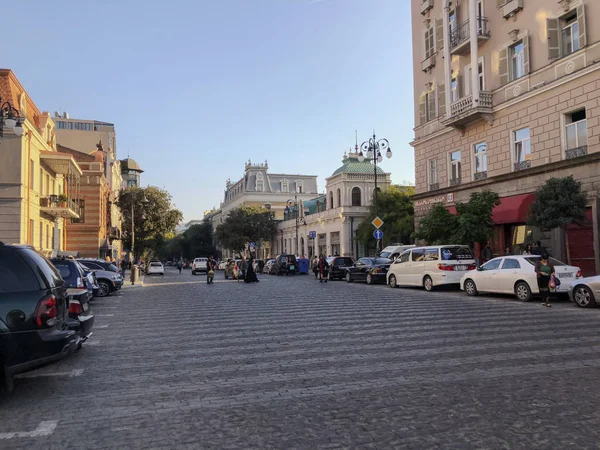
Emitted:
<point x="74" y="275"/>
<point x="259" y="265"/>
<point x="81" y="319"/>
<point x="199" y="265"/>
<point x="99" y="264"/>
<point x="286" y="265"/>
<point x="515" y="275"/>
<point x="371" y="270"/>
<point x="394" y="250"/>
<point x="338" y="266"/>
<point x="222" y="265"/>
<point x="155" y="267"/>
<point x="269" y="267"/>
<point x="431" y="266"/>
<point x="584" y="291"/>
<point x="108" y="280"/>
<point x="33" y="303"/>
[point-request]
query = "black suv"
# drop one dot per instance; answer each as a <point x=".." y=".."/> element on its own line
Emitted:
<point x="33" y="326"/>
<point x="286" y="265"/>
<point x="338" y="266"/>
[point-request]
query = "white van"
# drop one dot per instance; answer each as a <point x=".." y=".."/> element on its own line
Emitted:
<point x="431" y="266"/>
<point x="394" y="250"/>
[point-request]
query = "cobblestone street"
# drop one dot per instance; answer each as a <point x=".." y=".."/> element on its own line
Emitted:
<point x="291" y="363"/>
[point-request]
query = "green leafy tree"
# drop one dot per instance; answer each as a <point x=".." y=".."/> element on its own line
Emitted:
<point x="198" y="241"/>
<point x="246" y="224"/>
<point x="397" y="212"/>
<point x="473" y="222"/>
<point x="155" y="219"/>
<point x="558" y="203"/>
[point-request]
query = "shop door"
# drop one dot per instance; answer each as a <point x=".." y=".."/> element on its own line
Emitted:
<point x="581" y="244"/>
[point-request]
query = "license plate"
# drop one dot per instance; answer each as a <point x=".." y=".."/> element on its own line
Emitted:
<point x="460" y="267"/>
<point x="85" y="307"/>
<point x="565" y="275"/>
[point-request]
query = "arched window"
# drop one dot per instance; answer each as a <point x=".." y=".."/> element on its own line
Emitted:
<point x="259" y="182"/>
<point x="356" y="196"/>
<point x="330" y="199"/>
<point x="339" y="198"/>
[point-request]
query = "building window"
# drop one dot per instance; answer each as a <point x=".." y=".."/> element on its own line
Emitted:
<point x="81" y="206"/>
<point x="570" y="34"/>
<point x="454" y="88"/>
<point x="455" y="166"/>
<point x="284" y="186"/>
<point x="259" y="185"/>
<point x="331" y="199"/>
<point x="429" y="42"/>
<point x="517" y="58"/>
<point x="576" y="134"/>
<point x="566" y="34"/>
<point x="480" y="160"/>
<point x="339" y="198"/>
<point x="299" y="187"/>
<point x="427" y="106"/>
<point x="434" y="182"/>
<point x="356" y="194"/>
<point x="522" y="149"/>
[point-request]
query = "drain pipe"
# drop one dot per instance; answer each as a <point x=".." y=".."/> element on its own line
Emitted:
<point x="447" y="58"/>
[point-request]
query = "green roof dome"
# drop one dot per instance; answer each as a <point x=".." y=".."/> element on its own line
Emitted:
<point x="353" y="165"/>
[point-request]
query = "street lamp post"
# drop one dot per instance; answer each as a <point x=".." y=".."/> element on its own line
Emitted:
<point x="10" y="117"/>
<point x="144" y="202"/>
<point x="293" y="203"/>
<point x="373" y="149"/>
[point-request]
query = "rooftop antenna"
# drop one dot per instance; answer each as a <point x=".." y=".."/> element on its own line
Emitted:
<point x="356" y="146"/>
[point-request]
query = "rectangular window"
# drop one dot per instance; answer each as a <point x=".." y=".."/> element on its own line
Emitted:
<point x="454" y="89"/>
<point x="469" y="76"/>
<point x="70" y="125"/>
<point x="433" y="175"/>
<point x="429" y="42"/>
<point x="455" y="173"/>
<point x="576" y="133"/>
<point x="81" y="207"/>
<point x="430" y="105"/>
<point x="284" y="186"/>
<point x="517" y="60"/>
<point x="480" y="160"/>
<point x="522" y="149"/>
<point x="570" y="34"/>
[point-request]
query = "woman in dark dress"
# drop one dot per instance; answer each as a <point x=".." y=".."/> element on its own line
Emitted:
<point x="250" y="274"/>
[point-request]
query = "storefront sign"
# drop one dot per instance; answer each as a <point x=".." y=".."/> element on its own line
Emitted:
<point x="426" y="203"/>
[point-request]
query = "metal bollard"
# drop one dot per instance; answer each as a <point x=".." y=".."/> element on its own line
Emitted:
<point x="135" y="274"/>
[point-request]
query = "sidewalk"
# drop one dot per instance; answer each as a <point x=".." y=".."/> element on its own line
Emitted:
<point x="127" y="283"/>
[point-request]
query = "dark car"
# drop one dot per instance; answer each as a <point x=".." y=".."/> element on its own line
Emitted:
<point x="33" y="299"/>
<point x="286" y="265"/>
<point x="81" y="319"/>
<point x="371" y="270"/>
<point x="338" y="266"/>
<point x="108" y="277"/>
<point x="73" y="274"/>
<point x="99" y="264"/>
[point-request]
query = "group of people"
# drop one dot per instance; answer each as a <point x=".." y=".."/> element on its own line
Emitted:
<point x="536" y="249"/>
<point x="320" y="268"/>
<point x="245" y="271"/>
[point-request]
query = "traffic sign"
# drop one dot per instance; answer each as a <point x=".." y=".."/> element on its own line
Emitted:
<point x="252" y="245"/>
<point x="377" y="222"/>
<point x="378" y="234"/>
<point x="312" y="234"/>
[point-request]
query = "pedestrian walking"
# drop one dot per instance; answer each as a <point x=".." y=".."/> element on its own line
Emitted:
<point x="179" y="266"/>
<point x="243" y="268"/>
<point x="123" y="267"/>
<point x="250" y="276"/>
<point x="545" y="275"/>
<point x="210" y="270"/>
<point x="315" y="267"/>
<point x="323" y="269"/>
<point x="487" y="253"/>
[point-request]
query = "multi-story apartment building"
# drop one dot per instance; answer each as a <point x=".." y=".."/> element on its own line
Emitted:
<point x="83" y="134"/>
<point x="38" y="185"/>
<point x="506" y="97"/>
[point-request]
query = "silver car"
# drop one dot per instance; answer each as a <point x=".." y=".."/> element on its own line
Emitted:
<point x="584" y="291"/>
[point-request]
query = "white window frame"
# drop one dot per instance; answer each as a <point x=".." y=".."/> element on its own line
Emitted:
<point x="454" y="90"/>
<point x="564" y="25"/>
<point x="426" y="40"/>
<point x="565" y="125"/>
<point x="429" y="115"/>
<point x="520" y="57"/>
<point x="285" y="186"/>
<point x="475" y="156"/>
<point x="299" y="187"/>
<point x="452" y="164"/>
<point x="469" y="76"/>
<point x="513" y="146"/>
<point x="433" y="179"/>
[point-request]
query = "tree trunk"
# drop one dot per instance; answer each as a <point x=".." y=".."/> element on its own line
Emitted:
<point x="567" y="249"/>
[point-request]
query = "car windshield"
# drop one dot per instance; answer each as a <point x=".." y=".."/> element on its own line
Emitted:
<point x="385" y="254"/>
<point x="113" y="268"/>
<point x="155" y="264"/>
<point x="63" y="269"/>
<point x="534" y="259"/>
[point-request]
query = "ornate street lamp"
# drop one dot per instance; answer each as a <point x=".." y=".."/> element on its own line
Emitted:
<point x="373" y="149"/>
<point x="10" y="117"/>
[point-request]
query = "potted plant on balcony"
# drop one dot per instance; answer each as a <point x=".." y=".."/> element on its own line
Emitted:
<point x="62" y="201"/>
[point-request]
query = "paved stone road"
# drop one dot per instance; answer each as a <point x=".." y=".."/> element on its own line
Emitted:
<point x="291" y="363"/>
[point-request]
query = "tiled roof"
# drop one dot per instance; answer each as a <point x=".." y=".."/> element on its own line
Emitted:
<point x="353" y="165"/>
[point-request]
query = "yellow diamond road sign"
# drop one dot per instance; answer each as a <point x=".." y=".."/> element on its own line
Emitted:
<point x="377" y="222"/>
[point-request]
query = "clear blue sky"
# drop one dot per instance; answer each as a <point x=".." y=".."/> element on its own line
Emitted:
<point x="198" y="87"/>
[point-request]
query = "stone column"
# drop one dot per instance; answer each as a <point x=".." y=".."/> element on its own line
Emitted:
<point x="56" y="238"/>
<point x="328" y="243"/>
<point x="344" y="239"/>
<point x="316" y="245"/>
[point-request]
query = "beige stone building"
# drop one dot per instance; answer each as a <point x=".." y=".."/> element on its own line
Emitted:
<point x="38" y="185"/>
<point x="505" y="102"/>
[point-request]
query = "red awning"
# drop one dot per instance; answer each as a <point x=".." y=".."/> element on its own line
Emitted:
<point x="510" y="210"/>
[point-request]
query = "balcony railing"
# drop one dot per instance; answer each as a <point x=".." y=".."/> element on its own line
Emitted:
<point x="465" y="111"/>
<point x="480" y="176"/>
<point x="455" y="181"/>
<point x="434" y="186"/>
<point x="576" y="152"/>
<point x="466" y="103"/>
<point x="459" y="37"/>
<point x="522" y="165"/>
<point x="59" y="208"/>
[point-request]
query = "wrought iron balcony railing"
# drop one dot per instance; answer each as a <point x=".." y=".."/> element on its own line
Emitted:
<point x="522" y="165"/>
<point x="461" y="34"/>
<point x="576" y="152"/>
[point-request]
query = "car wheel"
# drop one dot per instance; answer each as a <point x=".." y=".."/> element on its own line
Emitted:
<point x="369" y="279"/>
<point x="583" y="296"/>
<point x="348" y="277"/>
<point x="428" y="283"/>
<point x="470" y="287"/>
<point x="522" y="291"/>
<point x="392" y="282"/>
<point x="103" y="288"/>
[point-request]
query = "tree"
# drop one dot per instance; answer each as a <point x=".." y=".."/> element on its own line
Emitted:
<point x="397" y="212"/>
<point x="472" y="224"/>
<point x="558" y="203"/>
<point x="246" y="224"/>
<point x="154" y="220"/>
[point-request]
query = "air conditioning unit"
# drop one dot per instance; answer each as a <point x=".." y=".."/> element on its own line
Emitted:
<point x="511" y="8"/>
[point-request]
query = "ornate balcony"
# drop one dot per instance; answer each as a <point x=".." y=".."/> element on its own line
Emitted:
<point x="464" y="111"/>
<point x="56" y="207"/>
<point x="434" y="186"/>
<point x="576" y="152"/>
<point x="455" y="181"/>
<point x="523" y="165"/>
<point x="480" y="176"/>
<point x="460" y="42"/>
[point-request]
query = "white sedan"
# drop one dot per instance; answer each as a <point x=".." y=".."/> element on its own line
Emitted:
<point x="155" y="267"/>
<point x="515" y="275"/>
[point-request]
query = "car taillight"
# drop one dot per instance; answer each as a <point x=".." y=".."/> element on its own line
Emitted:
<point x="445" y="267"/>
<point x="79" y="282"/>
<point x="74" y="308"/>
<point x="472" y="267"/>
<point x="46" y="312"/>
<point x="579" y="274"/>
